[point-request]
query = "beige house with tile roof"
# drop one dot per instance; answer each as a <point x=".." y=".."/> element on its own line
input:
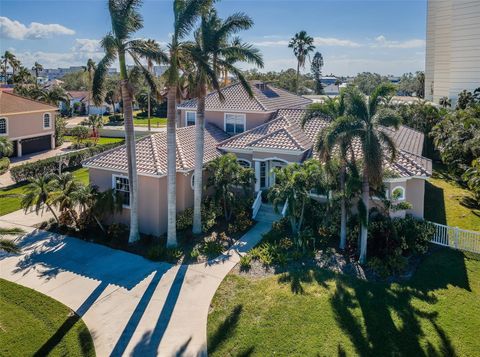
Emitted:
<point x="274" y="141"/>
<point x="29" y="124"/>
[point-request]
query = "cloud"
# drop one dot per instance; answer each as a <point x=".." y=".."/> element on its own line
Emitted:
<point x="87" y="45"/>
<point x="15" y="30"/>
<point x="381" y="41"/>
<point x="318" y="41"/>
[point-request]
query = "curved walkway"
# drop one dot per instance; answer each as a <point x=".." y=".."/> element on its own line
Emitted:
<point x="132" y="306"/>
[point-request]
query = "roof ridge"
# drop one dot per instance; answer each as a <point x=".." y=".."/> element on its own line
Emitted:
<point x="300" y="131"/>
<point x="30" y="99"/>
<point x="156" y="159"/>
<point x="256" y="99"/>
<point x="179" y="150"/>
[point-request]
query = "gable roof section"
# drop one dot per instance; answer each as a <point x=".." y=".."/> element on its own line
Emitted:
<point x="266" y="98"/>
<point x="152" y="152"/>
<point x="15" y="104"/>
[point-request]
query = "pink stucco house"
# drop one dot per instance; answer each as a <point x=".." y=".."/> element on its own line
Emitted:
<point x="29" y="124"/>
<point x="264" y="132"/>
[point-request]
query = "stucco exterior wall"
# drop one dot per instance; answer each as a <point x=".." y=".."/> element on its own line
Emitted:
<point x="217" y="118"/>
<point x="28" y="125"/>
<point x="416" y="196"/>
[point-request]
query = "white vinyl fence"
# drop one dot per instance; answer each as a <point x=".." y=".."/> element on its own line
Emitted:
<point x="455" y="237"/>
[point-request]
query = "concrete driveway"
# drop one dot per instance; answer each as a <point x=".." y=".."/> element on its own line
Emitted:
<point x="131" y="306"/>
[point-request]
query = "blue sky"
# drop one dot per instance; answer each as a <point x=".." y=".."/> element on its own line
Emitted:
<point x="384" y="36"/>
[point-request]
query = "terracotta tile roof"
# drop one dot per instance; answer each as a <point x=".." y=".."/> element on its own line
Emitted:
<point x="152" y="152"/>
<point x="12" y="103"/>
<point x="284" y="132"/>
<point x="266" y="98"/>
<point x="79" y="94"/>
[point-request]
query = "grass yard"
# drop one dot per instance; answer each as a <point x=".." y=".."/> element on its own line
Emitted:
<point x="155" y="121"/>
<point x="101" y="140"/>
<point x="34" y="324"/>
<point x="11" y="204"/>
<point x="447" y="203"/>
<point x="437" y="313"/>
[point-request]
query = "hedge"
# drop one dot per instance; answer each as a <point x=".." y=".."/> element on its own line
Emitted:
<point x="71" y="160"/>
<point x="4" y="164"/>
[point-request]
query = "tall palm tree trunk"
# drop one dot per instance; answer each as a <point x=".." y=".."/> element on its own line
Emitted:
<point x="130" y="145"/>
<point x="298" y="77"/>
<point x="148" y="110"/>
<point x="53" y="212"/>
<point x="364" y="227"/>
<point x="198" y="172"/>
<point x="171" y="168"/>
<point x="343" y="208"/>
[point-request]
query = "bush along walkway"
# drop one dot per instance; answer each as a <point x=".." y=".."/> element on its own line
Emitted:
<point x="129" y="304"/>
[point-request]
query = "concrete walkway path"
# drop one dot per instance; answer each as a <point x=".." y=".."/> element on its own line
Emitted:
<point x="132" y="306"/>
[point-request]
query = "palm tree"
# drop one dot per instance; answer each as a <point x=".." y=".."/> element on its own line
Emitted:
<point x="185" y="14"/>
<point x="209" y="54"/>
<point x="367" y="116"/>
<point x="6" y="59"/>
<point x="445" y="102"/>
<point x="6" y="147"/>
<point x="126" y="20"/>
<point x="53" y="96"/>
<point x="302" y="45"/>
<point x="90" y="68"/>
<point x="23" y="75"/>
<point x="331" y="138"/>
<point x="38" y="193"/>
<point x="37" y="67"/>
<point x="95" y="122"/>
<point x="14" y="64"/>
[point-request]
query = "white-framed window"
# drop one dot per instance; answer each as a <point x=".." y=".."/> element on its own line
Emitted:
<point x="398" y="193"/>
<point x="244" y="163"/>
<point x="3" y="126"/>
<point x="47" y="122"/>
<point x="234" y="123"/>
<point x="121" y="186"/>
<point x="263" y="174"/>
<point x="190" y="118"/>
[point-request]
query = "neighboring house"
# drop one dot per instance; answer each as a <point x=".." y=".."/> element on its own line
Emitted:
<point x="84" y="99"/>
<point x="238" y="112"/>
<point x="29" y="124"/>
<point x="109" y="170"/>
<point x="270" y="138"/>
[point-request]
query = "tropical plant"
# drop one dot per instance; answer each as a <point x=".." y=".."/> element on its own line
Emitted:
<point x="7" y="59"/>
<point x="53" y="96"/>
<point x="37" y="67"/>
<point x="126" y="20"/>
<point x="185" y="14"/>
<point x="95" y="122"/>
<point x="209" y="54"/>
<point x="367" y="117"/>
<point x="22" y="76"/>
<point x="333" y="141"/>
<point x="64" y="188"/>
<point x="6" y="147"/>
<point x="302" y="45"/>
<point x="90" y="69"/>
<point x="445" y="102"/>
<point x="316" y="69"/>
<point x="465" y="99"/>
<point x="8" y="245"/>
<point x="60" y="129"/>
<point x="472" y="178"/>
<point x="80" y="133"/>
<point x="38" y="193"/>
<point x="228" y="177"/>
<point x="367" y="82"/>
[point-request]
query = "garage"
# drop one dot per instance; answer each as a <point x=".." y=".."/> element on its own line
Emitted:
<point x="39" y="143"/>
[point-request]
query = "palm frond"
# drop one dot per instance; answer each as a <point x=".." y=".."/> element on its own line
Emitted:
<point x="141" y="70"/>
<point x="243" y="52"/>
<point x="355" y="104"/>
<point x="233" y="24"/>
<point x="388" y="118"/>
<point x="389" y="144"/>
<point x="381" y="94"/>
<point x="238" y="75"/>
<point x="125" y="17"/>
<point x="186" y="13"/>
<point x="149" y="50"/>
<point x="98" y="84"/>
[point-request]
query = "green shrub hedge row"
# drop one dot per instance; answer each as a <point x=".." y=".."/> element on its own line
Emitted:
<point x="71" y="160"/>
<point x="4" y="164"/>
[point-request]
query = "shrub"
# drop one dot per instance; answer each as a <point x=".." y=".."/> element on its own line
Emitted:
<point x="162" y="253"/>
<point x="245" y="262"/>
<point x="212" y="248"/>
<point x="415" y="233"/>
<point x="4" y="164"/>
<point x="392" y="264"/>
<point x="185" y="219"/>
<point x="85" y="220"/>
<point x="67" y="218"/>
<point x="209" y="218"/>
<point x="118" y="232"/>
<point x="115" y="119"/>
<point x="42" y="167"/>
<point x="60" y="129"/>
<point x="269" y="254"/>
<point x="80" y="133"/>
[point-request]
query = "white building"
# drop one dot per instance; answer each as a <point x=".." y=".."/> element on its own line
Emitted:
<point x="453" y="48"/>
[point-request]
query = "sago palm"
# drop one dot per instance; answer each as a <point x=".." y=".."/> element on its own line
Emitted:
<point x="302" y="45"/>
<point x="367" y="117"/>
<point x="185" y="15"/>
<point x="126" y="20"/>
<point x="208" y="54"/>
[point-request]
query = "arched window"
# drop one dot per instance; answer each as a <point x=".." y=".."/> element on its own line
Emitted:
<point x="3" y="126"/>
<point x="46" y="121"/>
<point x="398" y="193"/>
<point x="244" y="163"/>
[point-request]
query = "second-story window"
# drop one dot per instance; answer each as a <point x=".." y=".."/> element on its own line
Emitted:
<point x="191" y="118"/>
<point x="46" y="121"/>
<point x="3" y="126"/>
<point x="234" y="123"/>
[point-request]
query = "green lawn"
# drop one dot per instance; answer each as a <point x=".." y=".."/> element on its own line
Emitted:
<point x="11" y="204"/>
<point x="34" y="324"/>
<point x="101" y="140"/>
<point x="155" y="121"/>
<point x="319" y="313"/>
<point x="445" y="203"/>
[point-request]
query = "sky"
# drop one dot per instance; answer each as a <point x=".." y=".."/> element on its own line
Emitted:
<point x="383" y="36"/>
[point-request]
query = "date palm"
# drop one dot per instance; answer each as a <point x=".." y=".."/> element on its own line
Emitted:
<point x="332" y="140"/>
<point x="126" y="20"/>
<point x="6" y="60"/>
<point x="185" y="15"/>
<point x="367" y="116"/>
<point x="37" y="67"/>
<point x="209" y="53"/>
<point x="302" y="45"/>
<point x="39" y="193"/>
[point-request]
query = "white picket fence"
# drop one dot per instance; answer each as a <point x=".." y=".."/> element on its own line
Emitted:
<point x="457" y="238"/>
